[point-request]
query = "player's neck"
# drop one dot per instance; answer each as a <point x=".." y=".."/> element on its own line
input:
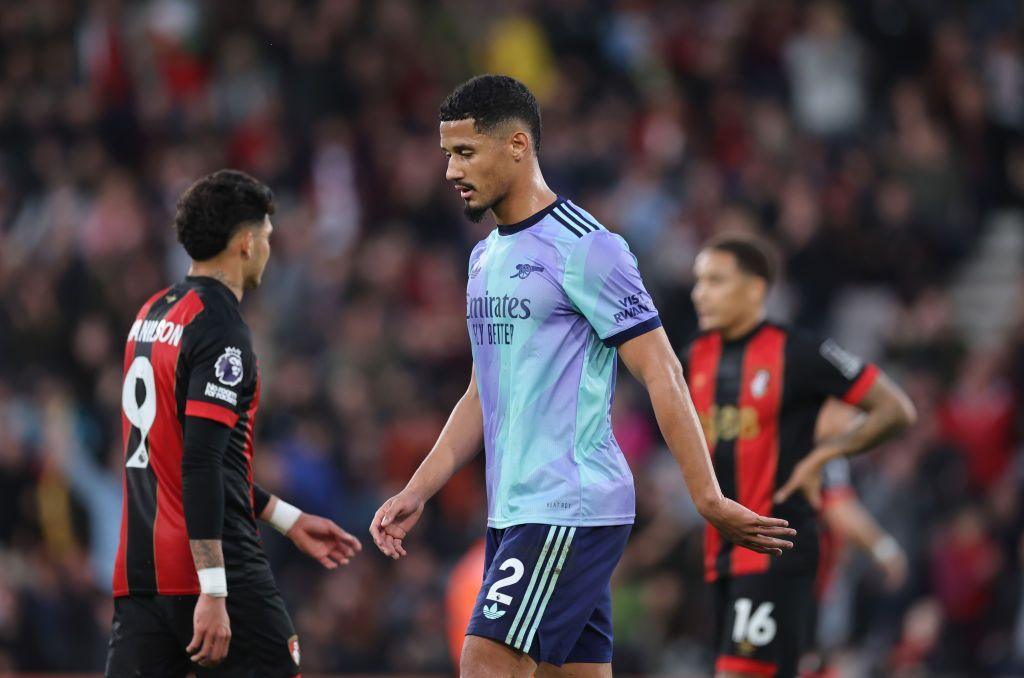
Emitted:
<point x="524" y="200"/>
<point x="743" y="327"/>
<point x="217" y="271"/>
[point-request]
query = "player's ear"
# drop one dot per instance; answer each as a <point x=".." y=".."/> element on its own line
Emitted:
<point x="247" y="242"/>
<point x="520" y="143"/>
<point x="759" y="289"/>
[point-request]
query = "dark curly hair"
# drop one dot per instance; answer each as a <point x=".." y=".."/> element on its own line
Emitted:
<point x="212" y="210"/>
<point x="754" y="255"/>
<point x="491" y="100"/>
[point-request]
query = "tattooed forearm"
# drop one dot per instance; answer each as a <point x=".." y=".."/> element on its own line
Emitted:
<point x="207" y="553"/>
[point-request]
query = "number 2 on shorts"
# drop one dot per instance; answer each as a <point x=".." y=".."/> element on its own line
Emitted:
<point x="494" y="593"/>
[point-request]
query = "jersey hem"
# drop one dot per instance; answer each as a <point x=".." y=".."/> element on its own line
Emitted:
<point x="193" y="591"/>
<point x="607" y="521"/>
<point x="801" y="571"/>
<point x="237" y="586"/>
<point x="729" y="663"/>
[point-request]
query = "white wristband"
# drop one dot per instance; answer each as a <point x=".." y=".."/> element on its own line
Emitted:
<point x="213" y="582"/>
<point x="284" y="516"/>
<point x="885" y="549"/>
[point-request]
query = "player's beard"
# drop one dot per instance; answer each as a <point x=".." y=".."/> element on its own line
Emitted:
<point x="476" y="214"/>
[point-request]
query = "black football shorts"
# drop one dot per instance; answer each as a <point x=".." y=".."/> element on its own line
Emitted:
<point x="764" y="623"/>
<point x="150" y="634"/>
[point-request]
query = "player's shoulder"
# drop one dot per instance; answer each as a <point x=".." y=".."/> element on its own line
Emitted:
<point x="220" y="318"/>
<point x="152" y="301"/>
<point x="816" y="350"/>
<point x="576" y="231"/>
<point x="570" y="223"/>
<point x="798" y="338"/>
<point x="803" y="340"/>
<point x="802" y="345"/>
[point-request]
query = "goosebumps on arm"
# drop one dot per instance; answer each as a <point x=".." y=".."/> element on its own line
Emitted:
<point x="202" y="486"/>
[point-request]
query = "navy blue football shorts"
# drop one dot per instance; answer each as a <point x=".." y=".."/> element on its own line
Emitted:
<point x="547" y="591"/>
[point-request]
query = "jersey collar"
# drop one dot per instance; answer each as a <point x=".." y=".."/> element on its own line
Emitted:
<point x="745" y="337"/>
<point x="509" y="229"/>
<point x="213" y="284"/>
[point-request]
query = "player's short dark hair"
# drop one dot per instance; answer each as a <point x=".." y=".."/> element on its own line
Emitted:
<point x="754" y="256"/>
<point x="491" y="100"/>
<point x="214" y="208"/>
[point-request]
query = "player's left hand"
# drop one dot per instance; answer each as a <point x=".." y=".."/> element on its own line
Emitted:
<point x="392" y="522"/>
<point x="806" y="477"/>
<point x="322" y="540"/>
<point x="745" y="528"/>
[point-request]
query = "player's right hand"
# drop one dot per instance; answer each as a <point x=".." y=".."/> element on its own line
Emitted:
<point x="745" y="528"/>
<point x="212" y="631"/>
<point x="393" y="521"/>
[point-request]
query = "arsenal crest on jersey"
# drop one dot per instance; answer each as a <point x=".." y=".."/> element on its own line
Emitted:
<point x="293" y="649"/>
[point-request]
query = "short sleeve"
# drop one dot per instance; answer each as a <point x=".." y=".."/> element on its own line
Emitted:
<point x="826" y="369"/>
<point x="603" y="282"/>
<point x="220" y="366"/>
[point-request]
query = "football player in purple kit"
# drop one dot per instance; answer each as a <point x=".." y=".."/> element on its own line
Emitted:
<point x="553" y="298"/>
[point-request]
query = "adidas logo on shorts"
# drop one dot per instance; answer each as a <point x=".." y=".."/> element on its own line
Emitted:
<point x="492" y="611"/>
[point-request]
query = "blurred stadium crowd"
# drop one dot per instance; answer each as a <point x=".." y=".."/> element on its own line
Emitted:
<point x="875" y="142"/>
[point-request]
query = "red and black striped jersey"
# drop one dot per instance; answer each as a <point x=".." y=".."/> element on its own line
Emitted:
<point x="758" y="399"/>
<point x="188" y="353"/>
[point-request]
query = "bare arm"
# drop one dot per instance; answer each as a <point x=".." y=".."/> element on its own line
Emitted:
<point x="887" y="411"/>
<point x="650" y="359"/>
<point x="459" y="441"/>
<point x="319" y="538"/>
<point x="848" y="518"/>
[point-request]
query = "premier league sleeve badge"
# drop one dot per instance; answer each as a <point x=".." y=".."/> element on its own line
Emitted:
<point x="228" y="367"/>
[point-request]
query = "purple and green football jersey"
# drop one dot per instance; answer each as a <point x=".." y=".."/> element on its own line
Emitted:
<point x="548" y="301"/>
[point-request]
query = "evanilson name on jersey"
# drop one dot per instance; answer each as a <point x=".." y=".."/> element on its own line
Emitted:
<point x="161" y="331"/>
